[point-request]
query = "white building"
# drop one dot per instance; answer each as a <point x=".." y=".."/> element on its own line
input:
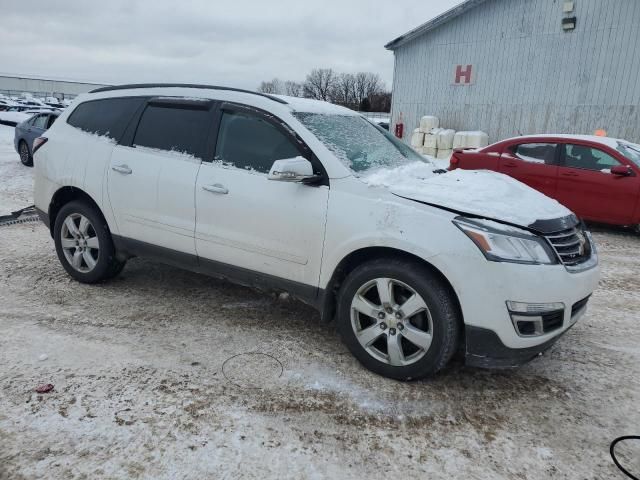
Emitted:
<point x="14" y="85"/>
<point x="512" y="67"/>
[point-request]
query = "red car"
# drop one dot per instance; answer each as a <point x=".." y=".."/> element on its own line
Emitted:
<point x="598" y="178"/>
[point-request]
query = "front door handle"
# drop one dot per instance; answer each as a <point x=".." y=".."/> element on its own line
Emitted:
<point x="569" y="174"/>
<point x="510" y="165"/>
<point x="216" y="188"/>
<point x="124" y="169"/>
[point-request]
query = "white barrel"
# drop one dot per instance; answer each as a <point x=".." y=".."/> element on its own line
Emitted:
<point x="429" y="122"/>
<point x="460" y="140"/>
<point x="429" y="151"/>
<point x="430" y="141"/>
<point x="445" y="139"/>
<point x="476" y="139"/>
<point x="417" y="138"/>
<point x="444" y="154"/>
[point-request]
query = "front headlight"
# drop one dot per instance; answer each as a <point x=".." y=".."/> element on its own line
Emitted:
<point x="504" y="243"/>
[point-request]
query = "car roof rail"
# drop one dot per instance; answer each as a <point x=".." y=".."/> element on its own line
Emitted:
<point x="185" y="85"/>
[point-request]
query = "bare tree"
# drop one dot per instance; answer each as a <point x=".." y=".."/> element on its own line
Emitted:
<point x="344" y="90"/>
<point x="274" y="87"/>
<point x="380" y="102"/>
<point x="367" y="84"/>
<point x="293" y="89"/>
<point x="320" y="83"/>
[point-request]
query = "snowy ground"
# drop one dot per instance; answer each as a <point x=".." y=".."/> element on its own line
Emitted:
<point x="151" y="381"/>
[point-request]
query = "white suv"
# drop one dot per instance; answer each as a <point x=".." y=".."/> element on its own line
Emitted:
<point x="310" y="198"/>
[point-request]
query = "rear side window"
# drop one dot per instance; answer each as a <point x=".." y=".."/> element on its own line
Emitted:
<point x="174" y="129"/>
<point x="108" y="117"/>
<point x="544" y="153"/>
<point x="40" y="121"/>
<point x="249" y="142"/>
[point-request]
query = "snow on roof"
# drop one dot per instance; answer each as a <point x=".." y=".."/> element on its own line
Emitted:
<point x="607" y="141"/>
<point x="309" y="105"/>
<point x="295" y="104"/>
<point x="433" y="23"/>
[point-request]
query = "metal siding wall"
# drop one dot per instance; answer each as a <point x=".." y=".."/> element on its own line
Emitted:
<point x="21" y="84"/>
<point x="530" y="75"/>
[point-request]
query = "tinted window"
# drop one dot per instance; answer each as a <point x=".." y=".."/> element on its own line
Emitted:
<point x="40" y="121"/>
<point x="250" y="142"/>
<point x="52" y="118"/>
<point x="108" y="117"/>
<point x="580" y="156"/>
<point x="544" y="153"/>
<point x="174" y="129"/>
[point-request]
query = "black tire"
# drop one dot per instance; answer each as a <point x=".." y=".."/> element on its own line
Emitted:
<point x="446" y="319"/>
<point x="106" y="264"/>
<point x="25" y="154"/>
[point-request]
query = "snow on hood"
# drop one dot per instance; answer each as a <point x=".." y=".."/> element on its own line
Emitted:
<point x="477" y="192"/>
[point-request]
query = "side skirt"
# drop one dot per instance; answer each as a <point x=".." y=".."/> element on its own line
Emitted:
<point x="127" y="248"/>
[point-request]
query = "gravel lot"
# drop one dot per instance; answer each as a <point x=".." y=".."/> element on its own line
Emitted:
<point x="165" y="374"/>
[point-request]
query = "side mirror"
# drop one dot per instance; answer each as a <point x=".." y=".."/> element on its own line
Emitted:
<point x="621" y="170"/>
<point x="297" y="169"/>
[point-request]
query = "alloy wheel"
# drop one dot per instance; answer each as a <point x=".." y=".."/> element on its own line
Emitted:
<point x="79" y="243"/>
<point x="391" y="321"/>
<point x="24" y="153"/>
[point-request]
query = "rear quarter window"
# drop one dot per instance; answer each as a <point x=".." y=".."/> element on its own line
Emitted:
<point x="108" y="117"/>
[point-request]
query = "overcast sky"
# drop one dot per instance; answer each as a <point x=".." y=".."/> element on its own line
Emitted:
<point x="235" y="43"/>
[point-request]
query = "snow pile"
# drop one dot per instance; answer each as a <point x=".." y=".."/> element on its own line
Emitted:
<point x="14" y="117"/>
<point x="388" y="177"/>
<point x="478" y="192"/>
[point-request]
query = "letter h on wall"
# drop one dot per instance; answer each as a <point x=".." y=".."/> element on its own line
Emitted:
<point x="463" y="75"/>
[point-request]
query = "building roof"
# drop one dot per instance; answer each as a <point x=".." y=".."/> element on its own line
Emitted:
<point x="47" y="78"/>
<point x="433" y="23"/>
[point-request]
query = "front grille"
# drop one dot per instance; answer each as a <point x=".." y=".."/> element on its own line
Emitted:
<point x="579" y="305"/>
<point x="571" y="245"/>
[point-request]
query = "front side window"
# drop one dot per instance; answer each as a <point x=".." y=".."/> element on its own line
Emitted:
<point x="40" y="121"/>
<point x="543" y="153"/>
<point x="52" y="118"/>
<point x="630" y="151"/>
<point x="249" y="142"/>
<point x="175" y="129"/>
<point x="581" y="156"/>
<point x="357" y="143"/>
<point x="108" y="117"/>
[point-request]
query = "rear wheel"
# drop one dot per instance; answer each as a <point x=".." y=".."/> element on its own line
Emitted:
<point x="25" y="154"/>
<point x="398" y="318"/>
<point x="84" y="245"/>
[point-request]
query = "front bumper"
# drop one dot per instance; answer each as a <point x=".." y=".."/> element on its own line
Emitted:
<point x="484" y="349"/>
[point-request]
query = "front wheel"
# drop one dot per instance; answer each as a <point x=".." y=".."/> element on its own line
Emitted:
<point x="84" y="245"/>
<point x="398" y="318"/>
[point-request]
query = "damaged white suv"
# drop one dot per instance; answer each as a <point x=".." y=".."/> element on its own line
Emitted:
<point x="302" y="196"/>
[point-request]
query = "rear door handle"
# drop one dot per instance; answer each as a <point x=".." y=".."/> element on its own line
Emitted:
<point x="510" y="164"/>
<point x="216" y="188"/>
<point x="124" y="169"/>
<point x="569" y="174"/>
